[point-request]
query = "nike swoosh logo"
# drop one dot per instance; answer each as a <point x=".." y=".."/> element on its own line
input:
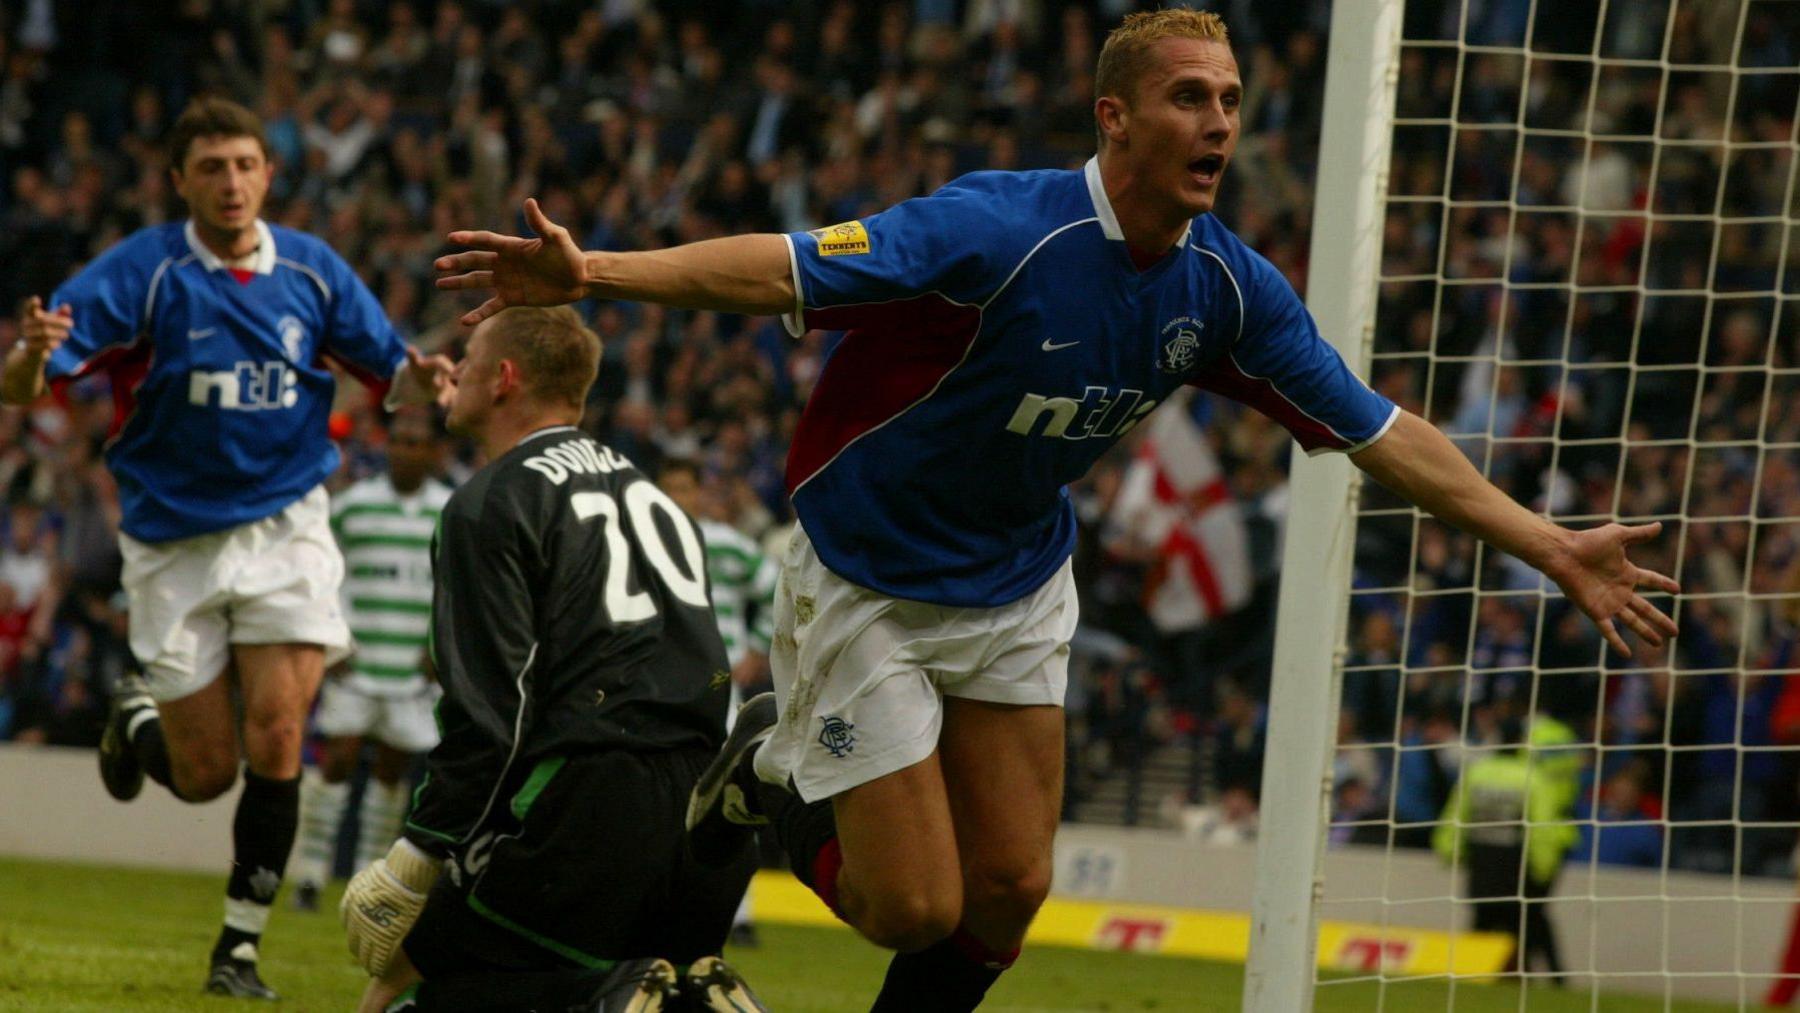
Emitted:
<point x="195" y="334"/>
<point x="1048" y="347"/>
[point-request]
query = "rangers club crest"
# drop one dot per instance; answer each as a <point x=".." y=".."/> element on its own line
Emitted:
<point x="836" y="737"/>
<point x="293" y="338"/>
<point x="1180" y="345"/>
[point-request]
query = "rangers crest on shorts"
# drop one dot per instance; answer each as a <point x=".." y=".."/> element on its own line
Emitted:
<point x="836" y="737"/>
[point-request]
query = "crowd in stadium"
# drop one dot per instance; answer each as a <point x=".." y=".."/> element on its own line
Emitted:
<point x="1669" y="338"/>
<point x="645" y="124"/>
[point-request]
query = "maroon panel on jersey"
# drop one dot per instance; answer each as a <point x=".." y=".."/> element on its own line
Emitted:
<point x="894" y="355"/>
<point x="1226" y="377"/>
<point x="125" y="367"/>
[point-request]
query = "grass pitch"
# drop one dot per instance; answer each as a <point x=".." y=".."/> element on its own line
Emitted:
<point x="87" y="938"/>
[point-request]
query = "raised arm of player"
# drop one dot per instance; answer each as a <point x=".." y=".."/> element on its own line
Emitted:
<point x="40" y="332"/>
<point x="1420" y="463"/>
<point x="739" y="274"/>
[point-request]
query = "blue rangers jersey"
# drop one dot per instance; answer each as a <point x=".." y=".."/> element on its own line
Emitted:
<point x="219" y="378"/>
<point x="999" y="340"/>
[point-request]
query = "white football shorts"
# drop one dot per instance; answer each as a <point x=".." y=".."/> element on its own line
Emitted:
<point x="862" y="677"/>
<point x="271" y="581"/>
<point x="403" y="721"/>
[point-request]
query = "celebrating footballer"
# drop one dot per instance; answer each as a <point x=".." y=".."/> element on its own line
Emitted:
<point x="1000" y="335"/>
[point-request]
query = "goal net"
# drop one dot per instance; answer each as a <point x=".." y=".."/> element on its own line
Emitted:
<point x="1580" y="261"/>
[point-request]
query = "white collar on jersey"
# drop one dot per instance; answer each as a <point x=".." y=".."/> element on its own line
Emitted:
<point x="265" y="249"/>
<point x="1103" y="210"/>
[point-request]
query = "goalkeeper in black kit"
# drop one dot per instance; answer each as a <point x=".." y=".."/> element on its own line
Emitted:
<point x="543" y="866"/>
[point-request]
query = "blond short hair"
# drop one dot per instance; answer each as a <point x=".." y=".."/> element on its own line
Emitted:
<point x="557" y="355"/>
<point x="1126" y="55"/>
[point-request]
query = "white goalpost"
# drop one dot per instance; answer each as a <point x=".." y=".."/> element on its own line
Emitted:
<point x="1565" y="232"/>
<point x="1359" y="99"/>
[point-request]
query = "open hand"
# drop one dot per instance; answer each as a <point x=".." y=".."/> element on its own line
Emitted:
<point x="547" y="271"/>
<point x="433" y="374"/>
<point x="1603" y="582"/>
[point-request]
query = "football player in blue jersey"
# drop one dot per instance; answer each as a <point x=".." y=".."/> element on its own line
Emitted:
<point x="215" y="334"/>
<point x="1000" y="334"/>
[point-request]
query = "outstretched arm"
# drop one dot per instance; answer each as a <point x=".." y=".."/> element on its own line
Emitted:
<point x="738" y="274"/>
<point x="1422" y="465"/>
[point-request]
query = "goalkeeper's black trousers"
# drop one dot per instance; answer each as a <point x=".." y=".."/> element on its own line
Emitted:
<point x="583" y="864"/>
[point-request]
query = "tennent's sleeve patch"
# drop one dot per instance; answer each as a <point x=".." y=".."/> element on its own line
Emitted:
<point x="842" y="240"/>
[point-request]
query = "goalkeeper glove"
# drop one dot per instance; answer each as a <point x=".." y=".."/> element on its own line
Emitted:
<point x="382" y="902"/>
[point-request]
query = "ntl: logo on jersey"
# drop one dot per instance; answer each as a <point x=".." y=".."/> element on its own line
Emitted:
<point x="248" y="386"/>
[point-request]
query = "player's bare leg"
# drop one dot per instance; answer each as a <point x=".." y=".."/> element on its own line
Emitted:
<point x="1003" y="766"/>
<point x="338" y="756"/>
<point x="390" y="765"/>
<point x="882" y="855"/>
<point x="276" y="683"/>
<point x="1003" y="769"/>
<point x="200" y="731"/>
<point x="899" y="882"/>
<point x="949" y="877"/>
<point x="279" y="682"/>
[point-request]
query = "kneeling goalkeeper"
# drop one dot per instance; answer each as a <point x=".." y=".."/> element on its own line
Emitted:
<point x="543" y="866"/>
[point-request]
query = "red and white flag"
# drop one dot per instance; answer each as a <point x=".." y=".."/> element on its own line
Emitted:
<point x="1174" y="499"/>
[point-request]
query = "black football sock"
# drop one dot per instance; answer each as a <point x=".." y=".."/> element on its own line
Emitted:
<point x="262" y="835"/>
<point x="808" y="833"/>
<point x="949" y="976"/>
<point x="143" y="729"/>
